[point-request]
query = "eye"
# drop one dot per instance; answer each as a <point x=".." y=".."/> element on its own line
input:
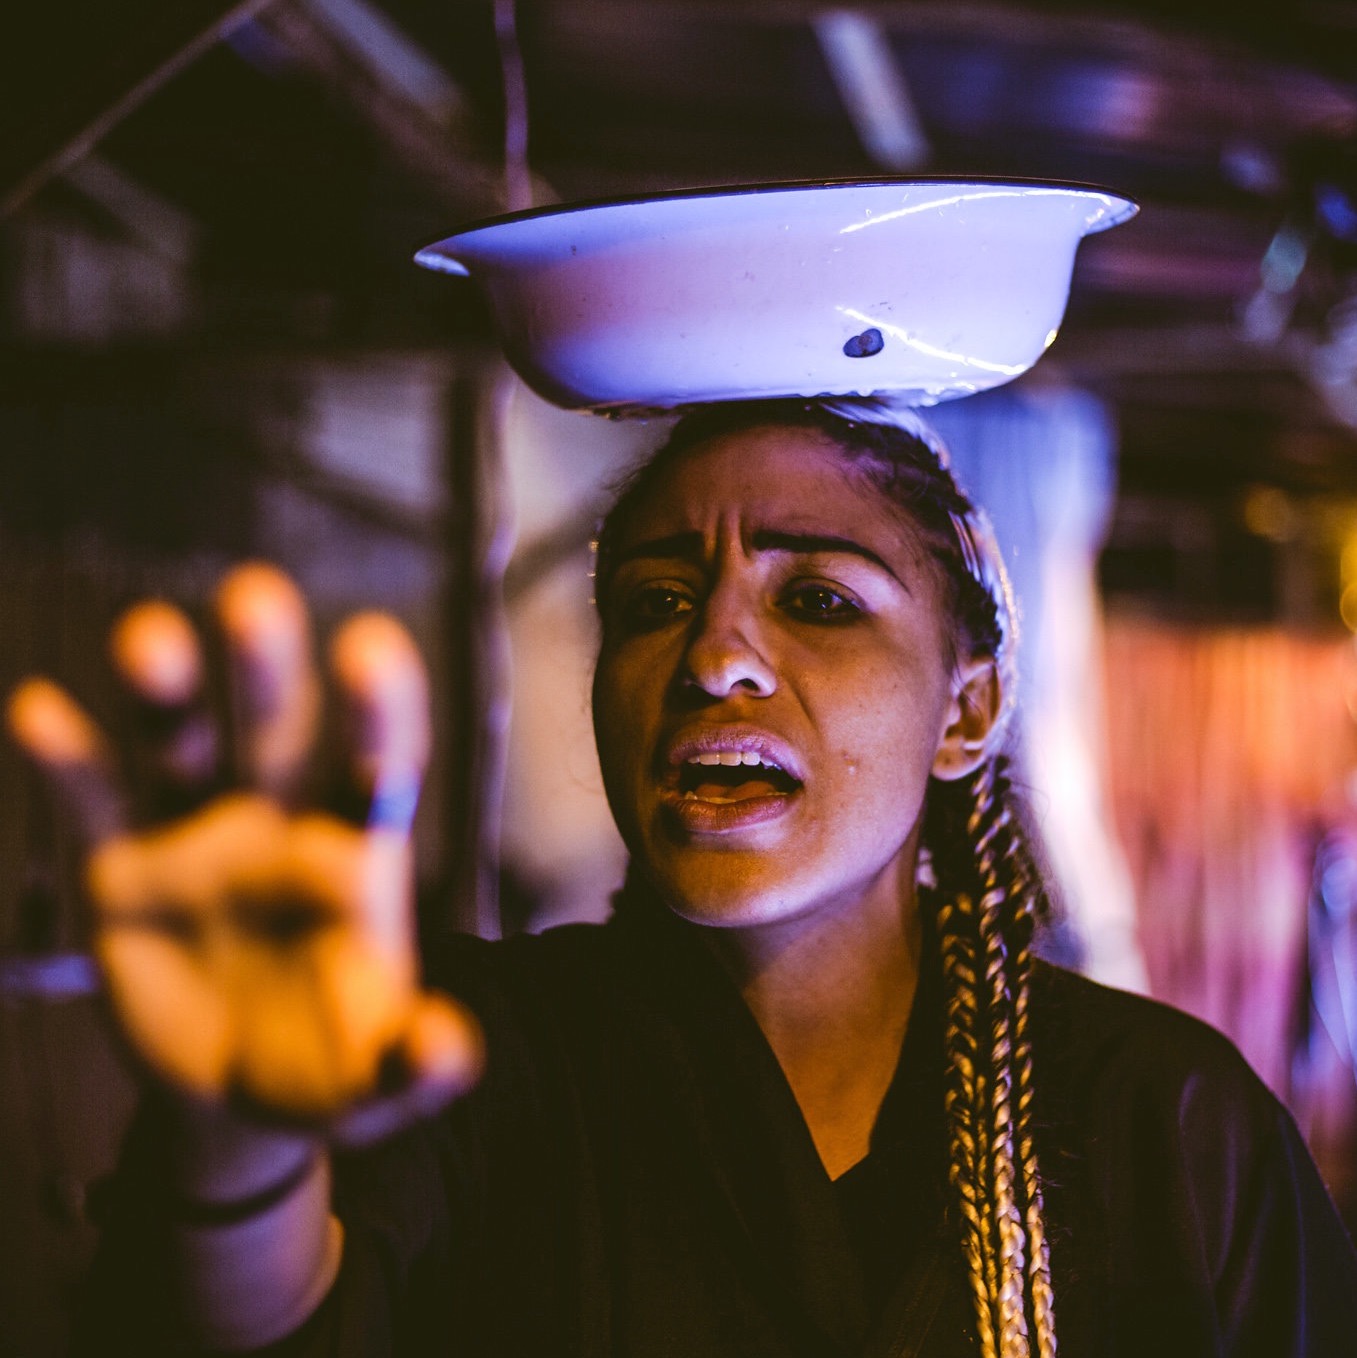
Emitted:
<point x="652" y="605"/>
<point x="815" y="601"/>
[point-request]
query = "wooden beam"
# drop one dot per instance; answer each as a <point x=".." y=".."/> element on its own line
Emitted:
<point x="77" y="89"/>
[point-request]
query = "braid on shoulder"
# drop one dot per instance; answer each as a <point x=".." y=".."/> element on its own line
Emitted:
<point x="986" y="881"/>
<point x="963" y="1096"/>
<point x="1022" y="910"/>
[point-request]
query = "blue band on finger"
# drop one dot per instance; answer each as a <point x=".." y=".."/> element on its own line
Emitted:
<point x="394" y="801"/>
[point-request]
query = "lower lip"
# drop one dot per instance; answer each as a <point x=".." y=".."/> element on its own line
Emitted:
<point x="700" y="817"/>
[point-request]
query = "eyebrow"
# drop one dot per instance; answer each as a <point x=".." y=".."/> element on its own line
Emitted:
<point x="691" y="546"/>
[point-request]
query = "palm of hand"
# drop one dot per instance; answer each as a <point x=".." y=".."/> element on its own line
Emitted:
<point x="259" y="954"/>
<point x="253" y="952"/>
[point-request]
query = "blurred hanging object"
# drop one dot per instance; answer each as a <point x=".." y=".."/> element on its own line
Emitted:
<point x="873" y="88"/>
<point x="489" y="525"/>
<point x="1269" y="311"/>
<point x="518" y="193"/>
<point x="1324" y="1065"/>
<point x="480" y="537"/>
<point x="1333" y="944"/>
<point x="1305" y="304"/>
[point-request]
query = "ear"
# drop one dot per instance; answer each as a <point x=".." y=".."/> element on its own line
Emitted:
<point x="972" y="719"/>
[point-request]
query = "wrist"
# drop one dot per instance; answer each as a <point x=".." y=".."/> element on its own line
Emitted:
<point x="253" y="1270"/>
<point x="220" y="1162"/>
<point x="221" y="1212"/>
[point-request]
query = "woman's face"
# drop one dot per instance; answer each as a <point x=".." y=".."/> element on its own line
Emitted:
<point x="774" y="684"/>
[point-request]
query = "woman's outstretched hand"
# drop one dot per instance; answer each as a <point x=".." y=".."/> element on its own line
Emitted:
<point x="260" y="955"/>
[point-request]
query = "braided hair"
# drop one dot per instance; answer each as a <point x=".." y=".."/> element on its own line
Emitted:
<point x="980" y="880"/>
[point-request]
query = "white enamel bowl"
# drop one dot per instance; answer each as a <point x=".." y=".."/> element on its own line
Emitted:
<point x="926" y="290"/>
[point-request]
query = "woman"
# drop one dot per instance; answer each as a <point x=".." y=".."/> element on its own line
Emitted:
<point x="806" y="1093"/>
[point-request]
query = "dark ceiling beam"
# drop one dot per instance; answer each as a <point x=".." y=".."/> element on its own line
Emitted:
<point x="1146" y="25"/>
<point x="432" y="140"/>
<point x="1178" y="79"/>
<point x="81" y="75"/>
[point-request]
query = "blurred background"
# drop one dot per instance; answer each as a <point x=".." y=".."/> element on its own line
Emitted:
<point x="213" y="345"/>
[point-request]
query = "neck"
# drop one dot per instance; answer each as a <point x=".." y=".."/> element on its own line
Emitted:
<point x="833" y="997"/>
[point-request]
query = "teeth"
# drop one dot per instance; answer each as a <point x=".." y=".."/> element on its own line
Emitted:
<point x="728" y="758"/>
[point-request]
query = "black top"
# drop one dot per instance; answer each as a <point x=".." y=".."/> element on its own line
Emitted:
<point x="633" y="1178"/>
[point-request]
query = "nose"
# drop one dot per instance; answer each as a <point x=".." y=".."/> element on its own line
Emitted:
<point x="725" y="653"/>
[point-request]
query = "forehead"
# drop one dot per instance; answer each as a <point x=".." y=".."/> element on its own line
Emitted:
<point x="770" y="476"/>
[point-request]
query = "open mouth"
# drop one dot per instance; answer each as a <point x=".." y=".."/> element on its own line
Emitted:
<point x="732" y="777"/>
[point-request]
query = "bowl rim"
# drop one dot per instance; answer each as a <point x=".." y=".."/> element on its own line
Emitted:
<point x="1130" y="209"/>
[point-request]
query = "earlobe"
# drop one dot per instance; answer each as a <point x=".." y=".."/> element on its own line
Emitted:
<point x="972" y="719"/>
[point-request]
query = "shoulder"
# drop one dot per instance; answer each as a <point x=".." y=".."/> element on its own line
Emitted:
<point x="1109" y="1037"/>
<point x="1184" y="1177"/>
<point x="1144" y="1092"/>
<point x="1155" y="1105"/>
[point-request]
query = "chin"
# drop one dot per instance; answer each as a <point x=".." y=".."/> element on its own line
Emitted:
<point x="722" y="914"/>
<point x="726" y="896"/>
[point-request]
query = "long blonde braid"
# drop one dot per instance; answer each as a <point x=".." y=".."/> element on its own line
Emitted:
<point x="985" y="915"/>
<point x="1023" y="900"/>
<point x="962" y="1100"/>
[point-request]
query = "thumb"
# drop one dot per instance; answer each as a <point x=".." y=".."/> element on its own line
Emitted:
<point x="439" y="1057"/>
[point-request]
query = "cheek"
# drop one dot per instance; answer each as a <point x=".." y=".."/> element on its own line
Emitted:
<point x="886" y="742"/>
<point x="606" y="713"/>
<point x="623" y="700"/>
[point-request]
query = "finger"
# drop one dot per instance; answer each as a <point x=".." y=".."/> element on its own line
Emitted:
<point x="72" y="754"/>
<point x="361" y="879"/>
<point x="274" y="689"/>
<point x="384" y="701"/>
<point x="440" y="1056"/>
<point x="157" y="656"/>
<point x="443" y="1047"/>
